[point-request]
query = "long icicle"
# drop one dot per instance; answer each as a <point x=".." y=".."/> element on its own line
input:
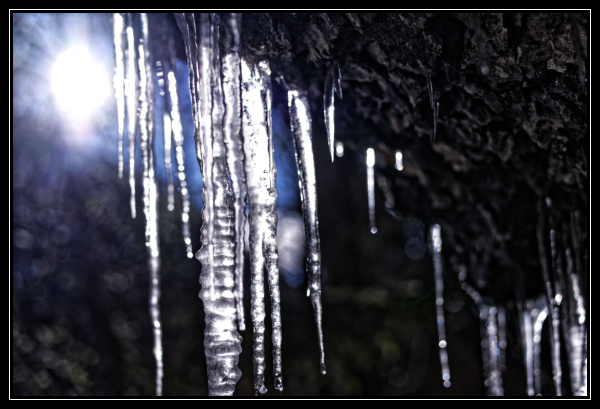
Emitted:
<point x="436" y="246"/>
<point x="262" y="193"/>
<point x="235" y="152"/>
<point x="131" y="103"/>
<point x="119" y="83"/>
<point x="301" y="123"/>
<point x="146" y="99"/>
<point x="551" y="302"/>
<point x="180" y="158"/>
<point x="222" y="343"/>
<point x="205" y="52"/>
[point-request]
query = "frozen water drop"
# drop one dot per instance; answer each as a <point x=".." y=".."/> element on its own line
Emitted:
<point x="263" y="390"/>
<point x="339" y="149"/>
<point x="323" y="369"/>
<point x="399" y="164"/>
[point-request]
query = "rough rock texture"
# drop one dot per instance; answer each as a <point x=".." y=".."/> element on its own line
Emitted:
<point x="504" y="139"/>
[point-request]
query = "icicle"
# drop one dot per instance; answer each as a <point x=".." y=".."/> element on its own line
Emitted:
<point x="301" y="124"/>
<point x="167" y="131"/>
<point x="434" y="105"/>
<point x="371" y="188"/>
<point x="502" y="338"/>
<point x="436" y="246"/>
<point x="180" y="158"/>
<point x="527" y="345"/>
<point x="235" y="152"/>
<point x="538" y="313"/>
<point x="339" y="149"/>
<point x="399" y="164"/>
<point x="337" y="82"/>
<point x="187" y="25"/>
<point x="222" y="342"/>
<point x="333" y="82"/>
<point x="490" y="349"/>
<point x="119" y="82"/>
<point x="205" y="61"/>
<point x="131" y="103"/>
<point x="262" y="193"/>
<point x="552" y="302"/>
<point x="479" y="38"/>
<point x="146" y="103"/>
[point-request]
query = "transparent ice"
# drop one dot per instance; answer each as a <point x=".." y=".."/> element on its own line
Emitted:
<point x="301" y="124"/>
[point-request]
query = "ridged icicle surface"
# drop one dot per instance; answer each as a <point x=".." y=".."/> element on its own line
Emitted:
<point x="262" y="194"/>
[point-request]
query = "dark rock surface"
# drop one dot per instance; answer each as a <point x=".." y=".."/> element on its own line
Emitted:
<point x="503" y="140"/>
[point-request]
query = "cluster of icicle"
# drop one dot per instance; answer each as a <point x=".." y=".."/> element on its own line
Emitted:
<point x="231" y="107"/>
<point x="562" y="301"/>
<point x="134" y="91"/>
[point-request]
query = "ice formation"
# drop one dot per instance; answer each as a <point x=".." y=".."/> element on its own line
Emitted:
<point x="436" y="247"/>
<point x="371" y="188"/>
<point x="333" y="82"/>
<point x="262" y="194"/>
<point x="119" y="82"/>
<point x="301" y="124"/>
<point x="231" y="107"/>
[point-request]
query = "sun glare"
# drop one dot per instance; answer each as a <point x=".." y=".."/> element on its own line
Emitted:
<point x="79" y="84"/>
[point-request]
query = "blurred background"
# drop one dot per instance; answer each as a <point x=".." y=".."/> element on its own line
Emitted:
<point x="80" y="320"/>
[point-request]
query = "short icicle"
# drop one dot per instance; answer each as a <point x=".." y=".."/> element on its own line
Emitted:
<point x="235" y="150"/>
<point x="436" y="247"/>
<point x="119" y="83"/>
<point x="150" y="188"/>
<point x="131" y="104"/>
<point x="333" y="82"/>
<point x="371" y="188"/>
<point x="177" y="130"/>
<point x="262" y="194"/>
<point x="301" y="124"/>
<point x="488" y="315"/>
